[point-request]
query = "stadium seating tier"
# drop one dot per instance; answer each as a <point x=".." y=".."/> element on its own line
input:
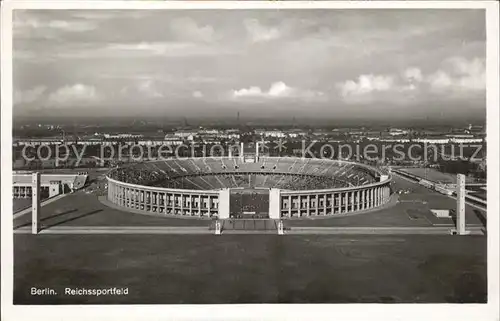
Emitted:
<point x="268" y="172"/>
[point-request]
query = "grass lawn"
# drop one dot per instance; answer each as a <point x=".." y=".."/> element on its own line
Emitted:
<point x="163" y="269"/>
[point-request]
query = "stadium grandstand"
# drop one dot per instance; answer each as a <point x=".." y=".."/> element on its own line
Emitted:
<point x="287" y="186"/>
<point x="269" y="172"/>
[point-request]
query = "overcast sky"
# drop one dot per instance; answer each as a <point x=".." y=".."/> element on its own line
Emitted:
<point x="369" y="62"/>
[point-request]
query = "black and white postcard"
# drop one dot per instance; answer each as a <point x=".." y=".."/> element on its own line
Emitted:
<point x="250" y="160"/>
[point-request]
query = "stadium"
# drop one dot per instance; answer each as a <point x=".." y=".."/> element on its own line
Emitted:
<point x="248" y="187"/>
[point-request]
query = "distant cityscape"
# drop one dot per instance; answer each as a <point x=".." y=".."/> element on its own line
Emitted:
<point x="275" y="141"/>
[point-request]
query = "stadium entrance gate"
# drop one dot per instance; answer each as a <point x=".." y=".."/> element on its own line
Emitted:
<point x="249" y="210"/>
<point x="249" y="203"/>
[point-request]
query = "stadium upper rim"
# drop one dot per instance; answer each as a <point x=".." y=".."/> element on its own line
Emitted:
<point x="372" y="176"/>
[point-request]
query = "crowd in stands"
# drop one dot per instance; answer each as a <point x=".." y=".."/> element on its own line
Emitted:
<point x="213" y="173"/>
<point x="138" y="175"/>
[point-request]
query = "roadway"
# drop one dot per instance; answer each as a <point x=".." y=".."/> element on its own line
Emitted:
<point x="450" y="196"/>
<point x="46" y="202"/>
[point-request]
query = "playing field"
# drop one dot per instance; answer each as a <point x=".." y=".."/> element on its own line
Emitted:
<point x="252" y="268"/>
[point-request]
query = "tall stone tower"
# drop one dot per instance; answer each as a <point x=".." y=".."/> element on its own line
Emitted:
<point x="461" y="204"/>
<point x="35" y="203"/>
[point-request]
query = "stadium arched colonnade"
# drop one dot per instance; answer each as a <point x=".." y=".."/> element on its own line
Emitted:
<point x="283" y="203"/>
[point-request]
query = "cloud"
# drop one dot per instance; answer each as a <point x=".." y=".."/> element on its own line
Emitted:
<point x="79" y="93"/>
<point x="201" y="79"/>
<point x="110" y="14"/>
<point x="277" y="90"/>
<point x="159" y="76"/>
<point x="100" y="14"/>
<point x="198" y="94"/>
<point x="260" y="33"/>
<point x="144" y="88"/>
<point x="413" y="74"/>
<point x="30" y="25"/>
<point x="280" y="89"/>
<point x="462" y="66"/>
<point x="188" y="29"/>
<point x="236" y="56"/>
<point x="158" y="48"/>
<point x="440" y="80"/>
<point x="139" y="50"/>
<point x="459" y="74"/>
<point x="29" y="96"/>
<point x="72" y="26"/>
<point x="148" y="88"/>
<point x="366" y="84"/>
<point x="456" y="76"/>
<point x="250" y="92"/>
